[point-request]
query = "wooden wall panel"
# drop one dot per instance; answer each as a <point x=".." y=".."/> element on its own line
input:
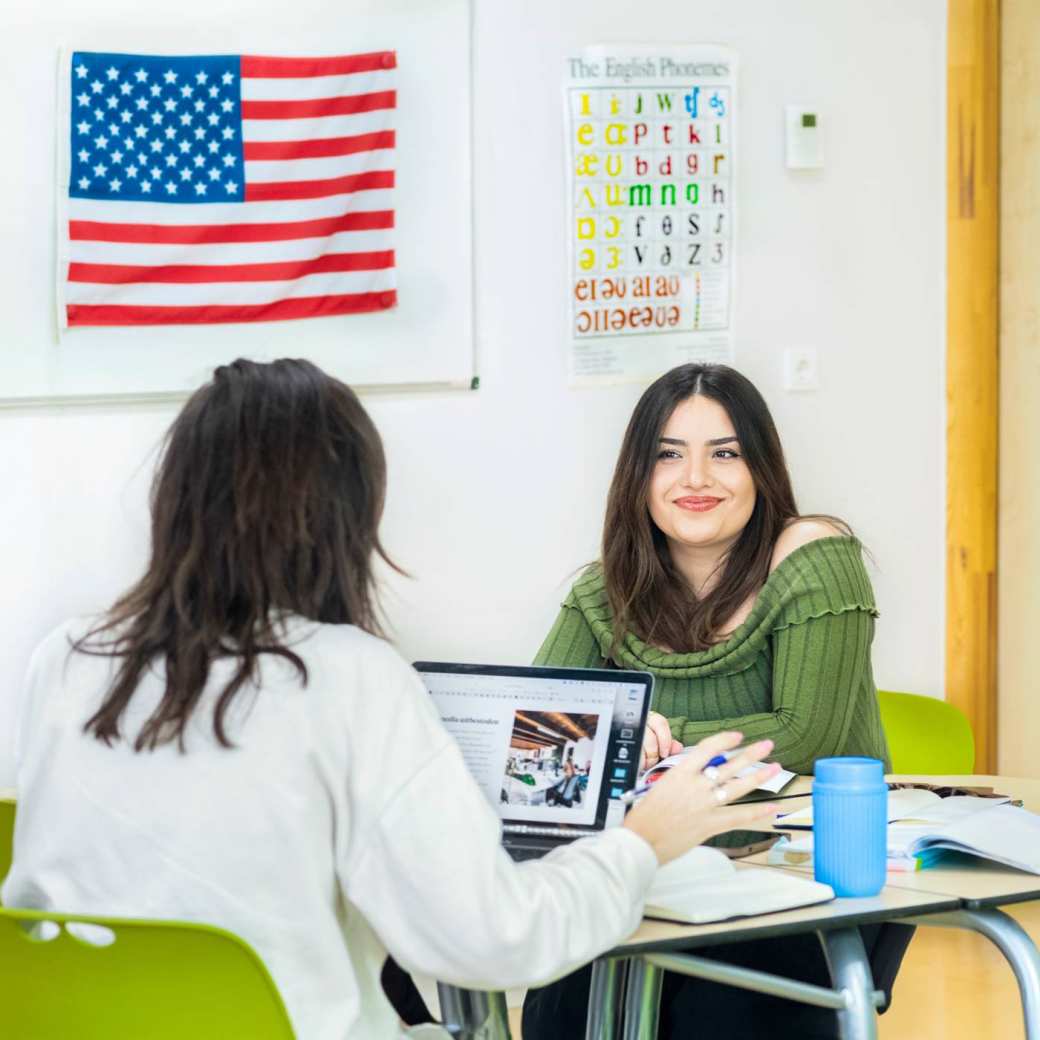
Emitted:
<point x="973" y="114"/>
<point x="1019" y="528"/>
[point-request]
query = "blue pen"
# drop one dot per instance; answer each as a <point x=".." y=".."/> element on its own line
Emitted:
<point x="637" y="792"/>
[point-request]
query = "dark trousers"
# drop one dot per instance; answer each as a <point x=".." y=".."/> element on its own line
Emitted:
<point x="401" y="992"/>
<point x="557" y="1011"/>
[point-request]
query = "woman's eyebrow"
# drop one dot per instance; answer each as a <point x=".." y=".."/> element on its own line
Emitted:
<point x="714" y="443"/>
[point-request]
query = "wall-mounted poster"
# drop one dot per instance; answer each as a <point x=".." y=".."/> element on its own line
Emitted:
<point x="650" y="133"/>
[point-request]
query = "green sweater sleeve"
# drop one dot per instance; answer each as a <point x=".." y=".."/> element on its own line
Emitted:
<point x="570" y="643"/>
<point x="819" y="667"/>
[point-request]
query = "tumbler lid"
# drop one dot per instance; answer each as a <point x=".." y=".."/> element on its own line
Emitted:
<point x="850" y="771"/>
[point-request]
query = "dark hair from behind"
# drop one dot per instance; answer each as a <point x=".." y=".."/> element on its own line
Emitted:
<point x="266" y="501"/>
<point x="647" y="594"/>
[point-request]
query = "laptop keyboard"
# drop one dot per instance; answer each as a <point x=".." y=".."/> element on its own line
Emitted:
<point x="526" y="830"/>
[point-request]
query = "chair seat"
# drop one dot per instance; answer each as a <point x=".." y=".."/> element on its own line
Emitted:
<point x="118" y="979"/>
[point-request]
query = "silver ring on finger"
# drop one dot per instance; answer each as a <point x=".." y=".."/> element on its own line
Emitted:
<point x="711" y="774"/>
<point x="721" y="794"/>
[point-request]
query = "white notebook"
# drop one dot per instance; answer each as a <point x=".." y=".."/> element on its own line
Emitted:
<point x="703" y="885"/>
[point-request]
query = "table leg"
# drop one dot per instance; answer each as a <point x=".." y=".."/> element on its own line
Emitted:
<point x="1012" y="941"/>
<point x="642" y="1000"/>
<point x="605" y="993"/>
<point x="850" y="973"/>
<point x="473" y="1014"/>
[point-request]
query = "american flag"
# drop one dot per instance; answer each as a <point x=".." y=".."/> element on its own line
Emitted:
<point x="225" y="188"/>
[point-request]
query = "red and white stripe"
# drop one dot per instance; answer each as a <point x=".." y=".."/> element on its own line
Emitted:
<point x="312" y="238"/>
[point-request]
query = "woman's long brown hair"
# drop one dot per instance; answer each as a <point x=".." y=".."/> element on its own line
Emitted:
<point x="267" y="500"/>
<point x="647" y="595"/>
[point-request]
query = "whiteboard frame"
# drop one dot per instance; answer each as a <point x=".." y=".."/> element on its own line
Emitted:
<point x="471" y="381"/>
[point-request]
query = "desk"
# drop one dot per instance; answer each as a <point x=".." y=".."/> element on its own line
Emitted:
<point x="626" y="981"/>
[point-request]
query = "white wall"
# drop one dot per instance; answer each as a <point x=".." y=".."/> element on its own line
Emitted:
<point x="496" y="496"/>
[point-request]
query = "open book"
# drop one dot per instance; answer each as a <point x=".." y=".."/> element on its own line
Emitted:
<point x="774" y="784"/>
<point x="797" y="851"/>
<point x="907" y="804"/>
<point x="1003" y="833"/>
<point x="703" y="885"/>
<point x="998" y="832"/>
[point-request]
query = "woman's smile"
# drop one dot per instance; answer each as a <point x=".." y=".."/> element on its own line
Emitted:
<point x="698" y="503"/>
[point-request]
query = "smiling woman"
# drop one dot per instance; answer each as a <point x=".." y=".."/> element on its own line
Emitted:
<point x="746" y="613"/>
<point x="750" y="616"/>
<point x="700" y="500"/>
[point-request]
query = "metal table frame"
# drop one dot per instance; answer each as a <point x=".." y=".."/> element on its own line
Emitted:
<point x="624" y="998"/>
<point x="626" y="992"/>
<point x="853" y="998"/>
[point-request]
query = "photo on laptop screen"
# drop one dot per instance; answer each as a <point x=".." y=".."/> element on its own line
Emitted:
<point x="555" y="762"/>
<point x="548" y="746"/>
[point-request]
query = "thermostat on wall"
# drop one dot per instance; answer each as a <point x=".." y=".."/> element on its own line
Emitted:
<point x="804" y="138"/>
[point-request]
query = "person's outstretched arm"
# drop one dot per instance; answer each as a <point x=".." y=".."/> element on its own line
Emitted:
<point x="447" y="901"/>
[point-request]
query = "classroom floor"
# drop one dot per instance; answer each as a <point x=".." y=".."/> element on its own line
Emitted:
<point x="953" y="985"/>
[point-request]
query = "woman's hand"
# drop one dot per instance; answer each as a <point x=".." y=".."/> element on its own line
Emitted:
<point x="685" y="808"/>
<point x="658" y="742"/>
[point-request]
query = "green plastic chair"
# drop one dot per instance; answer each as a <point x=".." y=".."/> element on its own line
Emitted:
<point x="926" y="735"/>
<point x="155" y="980"/>
<point x="6" y="835"/>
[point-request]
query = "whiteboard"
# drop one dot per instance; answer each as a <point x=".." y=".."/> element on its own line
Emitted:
<point x="426" y="340"/>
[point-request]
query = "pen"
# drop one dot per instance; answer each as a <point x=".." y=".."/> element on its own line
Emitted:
<point x="637" y="792"/>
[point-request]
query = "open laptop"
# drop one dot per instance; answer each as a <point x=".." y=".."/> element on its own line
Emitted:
<point x="553" y="749"/>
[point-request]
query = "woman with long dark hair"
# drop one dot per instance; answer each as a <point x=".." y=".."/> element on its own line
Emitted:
<point x="233" y="743"/>
<point x="749" y="616"/>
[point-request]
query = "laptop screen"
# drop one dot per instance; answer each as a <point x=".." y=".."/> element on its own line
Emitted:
<point x="553" y="749"/>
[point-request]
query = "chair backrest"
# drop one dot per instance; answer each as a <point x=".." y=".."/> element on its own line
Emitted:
<point x="6" y="835"/>
<point x="154" y="980"/>
<point x="926" y="735"/>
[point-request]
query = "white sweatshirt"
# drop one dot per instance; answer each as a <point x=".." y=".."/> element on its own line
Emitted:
<point x="342" y="825"/>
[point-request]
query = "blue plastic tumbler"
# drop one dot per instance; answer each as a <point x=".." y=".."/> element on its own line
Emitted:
<point x="850" y="825"/>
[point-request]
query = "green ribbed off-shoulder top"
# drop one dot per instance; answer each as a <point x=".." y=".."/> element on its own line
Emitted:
<point x="797" y="671"/>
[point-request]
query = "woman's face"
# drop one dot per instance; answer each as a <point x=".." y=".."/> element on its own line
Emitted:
<point x="701" y="491"/>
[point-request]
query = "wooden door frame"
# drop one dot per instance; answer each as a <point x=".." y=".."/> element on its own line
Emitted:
<point x="972" y="391"/>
